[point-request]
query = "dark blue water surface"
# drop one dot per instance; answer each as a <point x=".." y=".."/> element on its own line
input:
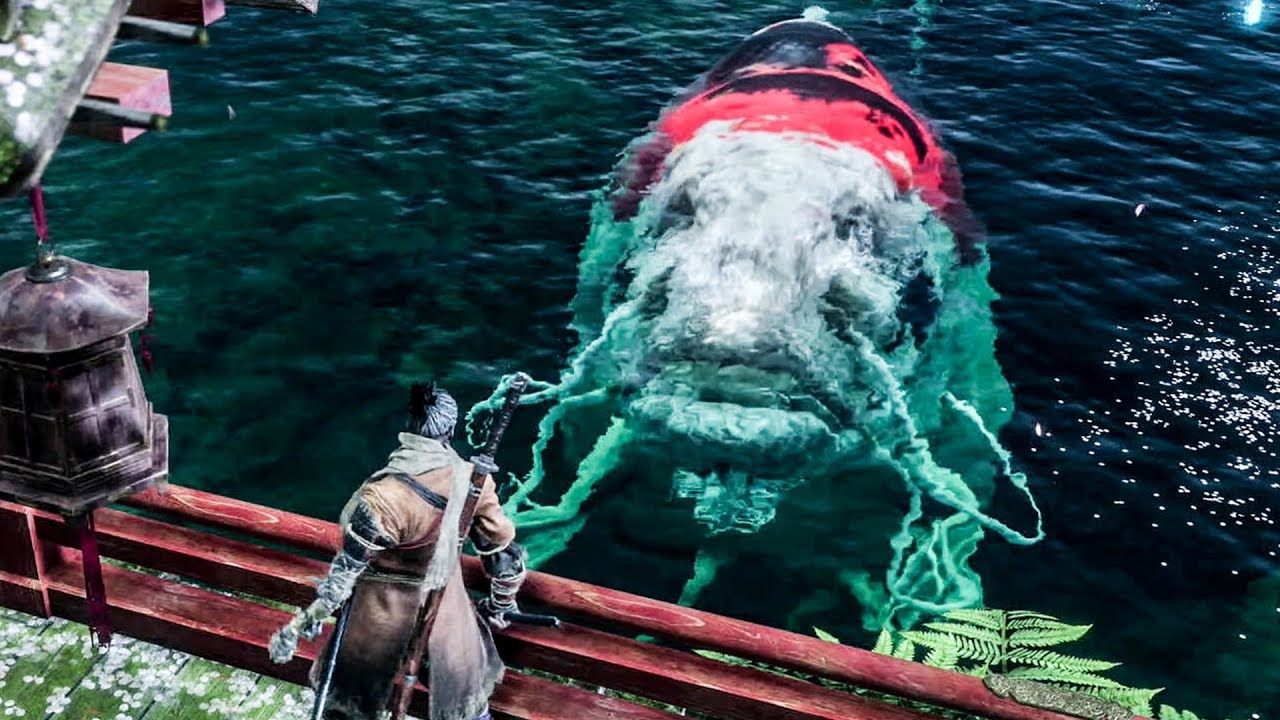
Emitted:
<point x="405" y="186"/>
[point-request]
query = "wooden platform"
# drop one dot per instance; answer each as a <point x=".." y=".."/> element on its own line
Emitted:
<point x="602" y="669"/>
<point x="48" y="670"/>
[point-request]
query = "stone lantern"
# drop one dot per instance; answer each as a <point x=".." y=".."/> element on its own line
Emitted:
<point x="76" y="429"/>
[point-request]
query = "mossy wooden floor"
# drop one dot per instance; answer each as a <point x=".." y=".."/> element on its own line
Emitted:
<point x="48" y="669"/>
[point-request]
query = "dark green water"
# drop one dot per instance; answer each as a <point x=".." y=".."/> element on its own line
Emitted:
<point x="405" y="186"/>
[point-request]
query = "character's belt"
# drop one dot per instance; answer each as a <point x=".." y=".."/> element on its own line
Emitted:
<point x="394" y="578"/>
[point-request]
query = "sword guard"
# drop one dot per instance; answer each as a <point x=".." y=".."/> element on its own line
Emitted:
<point x="484" y="464"/>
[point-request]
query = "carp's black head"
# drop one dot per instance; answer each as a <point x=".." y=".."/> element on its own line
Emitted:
<point x="787" y="45"/>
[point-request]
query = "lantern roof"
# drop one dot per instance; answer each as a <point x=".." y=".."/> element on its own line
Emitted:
<point x="44" y="311"/>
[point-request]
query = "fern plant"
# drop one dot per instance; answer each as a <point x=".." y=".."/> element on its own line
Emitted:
<point x="979" y="642"/>
<point x="1168" y="713"/>
<point x="1017" y="644"/>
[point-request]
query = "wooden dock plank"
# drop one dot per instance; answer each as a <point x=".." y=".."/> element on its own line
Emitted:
<point x="187" y="688"/>
<point x="205" y="690"/>
<point x="122" y="680"/>
<point x="40" y="662"/>
<point x="274" y="699"/>
<point x="235" y="631"/>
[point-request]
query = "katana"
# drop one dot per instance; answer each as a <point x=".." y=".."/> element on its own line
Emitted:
<point x="322" y="692"/>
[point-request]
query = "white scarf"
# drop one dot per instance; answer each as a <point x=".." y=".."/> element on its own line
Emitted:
<point x="418" y="455"/>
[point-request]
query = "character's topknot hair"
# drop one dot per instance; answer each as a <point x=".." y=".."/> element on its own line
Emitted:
<point x="421" y="396"/>
<point x="432" y="411"/>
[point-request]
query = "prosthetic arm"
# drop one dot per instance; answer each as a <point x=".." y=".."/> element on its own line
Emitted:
<point x="362" y="538"/>
<point x="506" y="572"/>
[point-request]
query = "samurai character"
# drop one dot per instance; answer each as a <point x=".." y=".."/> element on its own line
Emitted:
<point x="390" y="529"/>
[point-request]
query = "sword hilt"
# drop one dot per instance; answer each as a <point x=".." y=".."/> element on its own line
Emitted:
<point x="514" y="391"/>
<point x="524" y="618"/>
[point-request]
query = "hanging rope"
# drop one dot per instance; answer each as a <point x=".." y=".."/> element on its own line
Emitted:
<point x="41" y="223"/>
<point x="95" y="592"/>
<point x="148" y="361"/>
<point x="42" y="238"/>
<point x="37" y="214"/>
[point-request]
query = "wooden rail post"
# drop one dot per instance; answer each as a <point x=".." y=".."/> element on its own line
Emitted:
<point x="23" y="584"/>
<point x="193" y="12"/>
<point x="143" y="90"/>
<point x="306" y="6"/>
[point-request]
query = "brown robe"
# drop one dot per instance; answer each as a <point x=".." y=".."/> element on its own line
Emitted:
<point x="462" y="665"/>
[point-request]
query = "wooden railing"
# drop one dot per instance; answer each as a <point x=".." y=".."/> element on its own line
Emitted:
<point x="40" y="573"/>
<point x="123" y="101"/>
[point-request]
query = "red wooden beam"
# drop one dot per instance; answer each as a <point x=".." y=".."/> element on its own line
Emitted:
<point x="671" y="676"/>
<point x="22" y="568"/>
<point x="641" y="615"/>
<point x="843" y="663"/>
<point x="129" y="86"/>
<point x="256" y="521"/>
<point x="217" y="561"/>
<point x="684" y="679"/>
<point x="235" y="632"/>
<point x="192" y="12"/>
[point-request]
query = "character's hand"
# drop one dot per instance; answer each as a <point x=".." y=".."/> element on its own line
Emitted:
<point x="305" y="624"/>
<point x="311" y="621"/>
<point x="495" y="614"/>
<point x="284" y="643"/>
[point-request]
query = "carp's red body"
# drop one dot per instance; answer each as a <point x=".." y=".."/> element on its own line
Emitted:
<point x="805" y="78"/>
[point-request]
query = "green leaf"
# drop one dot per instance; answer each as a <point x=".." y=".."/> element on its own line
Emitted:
<point x="1035" y="624"/>
<point x="991" y="619"/>
<point x="967" y="648"/>
<point x="1137" y="700"/>
<point x="1052" y="659"/>
<point x="1058" y="675"/>
<point x="980" y="634"/>
<point x="945" y="655"/>
<point x="884" y="643"/>
<point x="826" y="636"/>
<point x="1046" y="638"/>
<point x="1169" y="713"/>
<point x="1027" y="614"/>
<point x="721" y="657"/>
<point x="928" y="638"/>
<point x="906" y="650"/>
